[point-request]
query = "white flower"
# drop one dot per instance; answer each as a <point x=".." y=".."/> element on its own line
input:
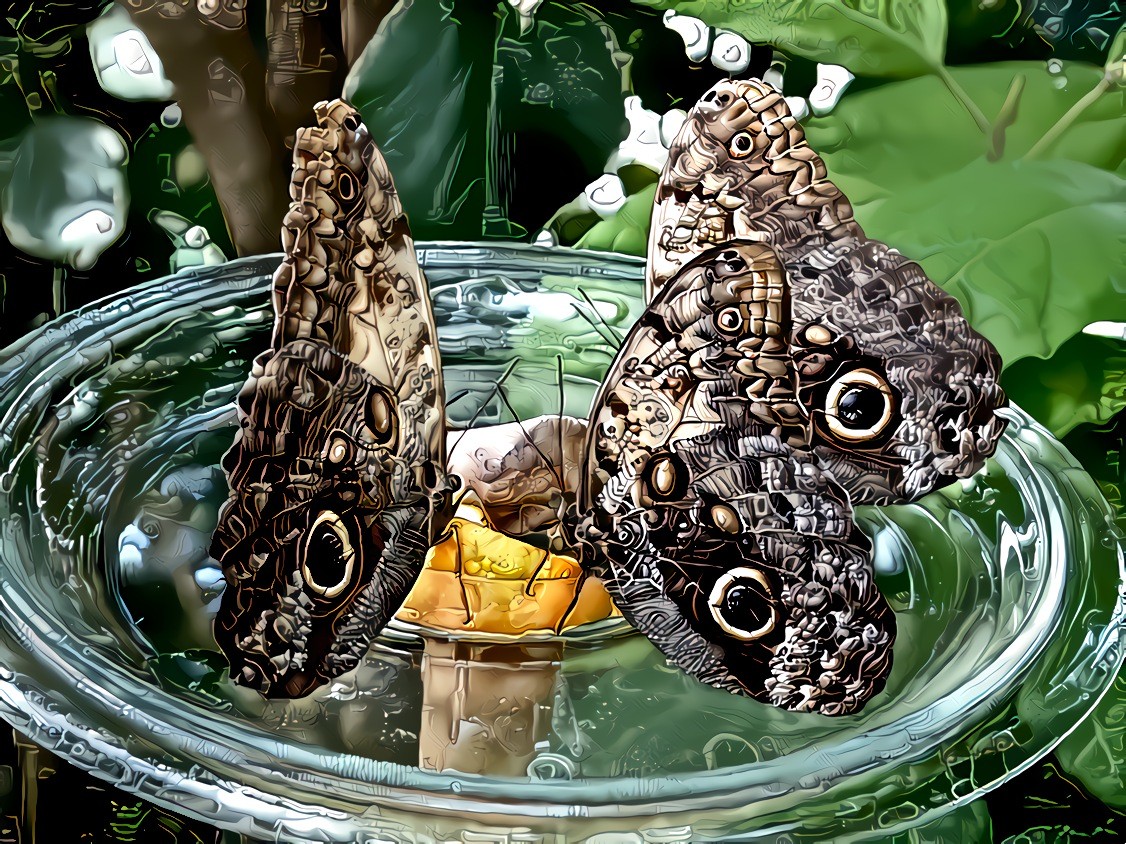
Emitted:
<point x="643" y="143"/>
<point x="731" y="52"/>
<point x="606" y="195"/>
<point x="193" y="243"/>
<point x="832" y="80"/>
<point x="671" y="122"/>
<point x="125" y="63"/>
<point x="67" y="196"/>
<point x="693" y="31"/>
<point x="526" y="10"/>
<point x="799" y="108"/>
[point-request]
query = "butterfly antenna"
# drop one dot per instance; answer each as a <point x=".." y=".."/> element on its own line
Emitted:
<point x="485" y="403"/>
<point x="459" y="571"/>
<point x="547" y="462"/>
<point x="559" y="426"/>
<point x="590" y="302"/>
<point x="563" y="616"/>
<point x="528" y="590"/>
<point x="597" y="329"/>
<point x="447" y="533"/>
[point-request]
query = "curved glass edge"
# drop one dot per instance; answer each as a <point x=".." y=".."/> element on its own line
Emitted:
<point x="33" y="709"/>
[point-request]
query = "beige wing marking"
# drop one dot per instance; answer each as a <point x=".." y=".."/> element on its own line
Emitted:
<point x="740" y="168"/>
<point x="351" y="277"/>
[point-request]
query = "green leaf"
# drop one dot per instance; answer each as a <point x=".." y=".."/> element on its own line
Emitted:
<point x="1033" y="250"/>
<point x="969" y="824"/>
<point x="462" y="102"/>
<point x="1095" y="752"/>
<point x="879" y="142"/>
<point x="423" y="86"/>
<point x="1084" y="382"/>
<point x="628" y="230"/>
<point x="898" y="38"/>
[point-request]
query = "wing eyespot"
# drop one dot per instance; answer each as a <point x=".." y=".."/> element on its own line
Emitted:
<point x="665" y="478"/>
<point x="379" y="416"/>
<point x="339" y="450"/>
<point x="328" y="559"/>
<point x="725" y="518"/>
<point x="729" y="320"/>
<point x="741" y="145"/>
<point x="817" y="335"/>
<point x="859" y="406"/>
<point x="742" y="604"/>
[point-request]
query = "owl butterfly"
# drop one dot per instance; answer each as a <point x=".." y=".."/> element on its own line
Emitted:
<point x="338" y="470"/>
<point x="785" y="368"/>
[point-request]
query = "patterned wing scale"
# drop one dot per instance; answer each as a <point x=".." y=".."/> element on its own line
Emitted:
<point x="337" y="475"/>
<point x="787" y="368"/>
<point x="740" y="167"/>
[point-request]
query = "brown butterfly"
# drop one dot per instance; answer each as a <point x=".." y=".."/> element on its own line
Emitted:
<point x="338" y="472"/>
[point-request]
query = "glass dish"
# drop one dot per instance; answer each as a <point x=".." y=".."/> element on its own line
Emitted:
<point x="1007" y="588"/>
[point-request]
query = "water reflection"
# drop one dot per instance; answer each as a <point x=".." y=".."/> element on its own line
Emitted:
<point x="447" y="705"/>
<point x="486" y="709"/>
<point x="165" y="546"/>
<point x="474" y="708"/>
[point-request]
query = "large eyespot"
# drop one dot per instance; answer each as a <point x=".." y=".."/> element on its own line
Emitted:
<point x="742" y="605"/>
<point x="859" y="406"/>
<point x="729" y="320"/>
<point x="328" y="559"/>
<point x="379" y="415"/>
<point x="741" y="145"/>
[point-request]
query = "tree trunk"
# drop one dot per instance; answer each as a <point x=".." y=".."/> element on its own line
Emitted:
<point x="300" y="70"/>
<point x="359" y="20"/>
<point x="208" y="55"/>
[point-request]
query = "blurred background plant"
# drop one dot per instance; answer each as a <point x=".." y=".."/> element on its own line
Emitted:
<point x="985" y="138"/>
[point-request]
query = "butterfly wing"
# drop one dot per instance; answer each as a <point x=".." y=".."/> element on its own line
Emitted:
<point x="711" y="524"/>
<point x="788" y="367"/>
<point x="337" y="473"/>
<point x="740" y="167"/>
<point x="887" y="338"/>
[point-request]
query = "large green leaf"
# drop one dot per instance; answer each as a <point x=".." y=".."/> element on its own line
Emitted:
<point x="1033" y="250"/>
<point x="424" y="85"/>
<point x="898" y="38"/>
<point x="901" y="135"/>
<point x="463" y="103"/>
<point x="1084" y="382"/>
